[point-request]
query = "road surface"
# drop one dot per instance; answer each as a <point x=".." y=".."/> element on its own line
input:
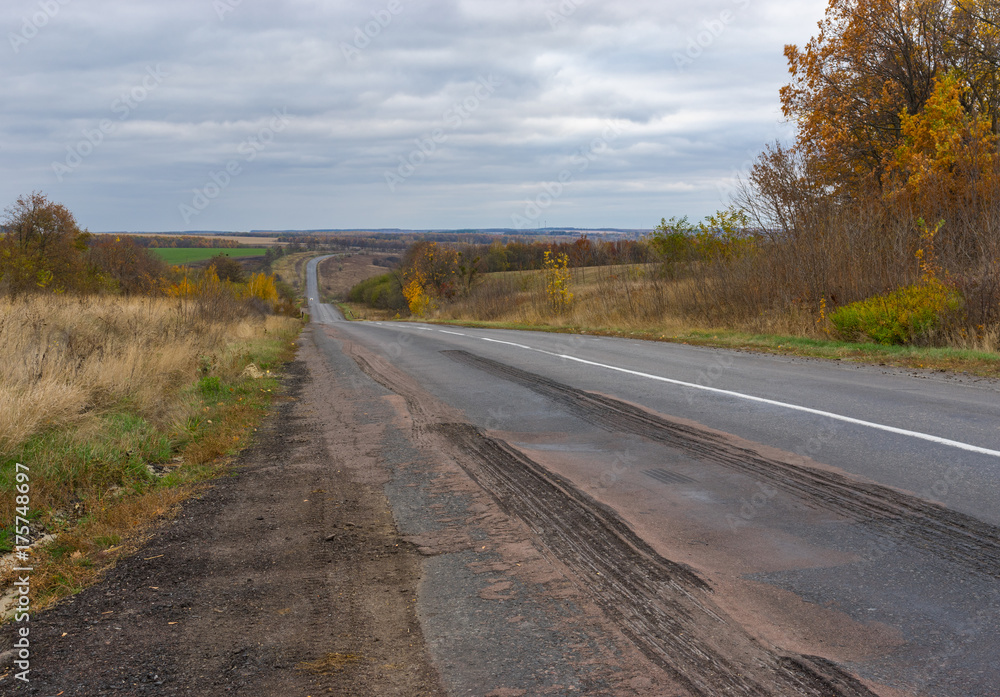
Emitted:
<point x="784" y="517"/>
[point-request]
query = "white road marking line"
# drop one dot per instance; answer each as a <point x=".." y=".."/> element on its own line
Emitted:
<point x="452" y="333"/>
<point x="761" y="400"/>
<point x="497" y="341"/>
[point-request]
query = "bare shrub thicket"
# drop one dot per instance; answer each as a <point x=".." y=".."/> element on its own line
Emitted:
<point x="813" y="250"/>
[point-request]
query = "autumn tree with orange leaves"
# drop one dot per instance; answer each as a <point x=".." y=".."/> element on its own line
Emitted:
<point x="897" y="108"/>
<point x="42" y="248"/>
<point x="900" y="98"/>
<point x="875" y="63"/>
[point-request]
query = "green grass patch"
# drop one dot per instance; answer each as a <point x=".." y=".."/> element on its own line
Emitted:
<point x="179" y="256"/>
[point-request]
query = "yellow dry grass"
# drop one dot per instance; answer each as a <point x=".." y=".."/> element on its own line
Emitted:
<point x="626" y="297"/>
<point x="633" y="301"/>
<point x="67" y="359"/>
<point x="95" y="390"/>
<point x="291" y="269"/>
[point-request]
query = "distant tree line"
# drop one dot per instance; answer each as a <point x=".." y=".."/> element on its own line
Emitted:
<point x="185" y="242"/>
<point x="518" y="255"/>
<point x="43" y="250"/>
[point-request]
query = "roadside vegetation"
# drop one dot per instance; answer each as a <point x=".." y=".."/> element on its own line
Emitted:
<point x="878" y="227"/>
<point x="126" y="384"/>
<point x="342" y="272"/>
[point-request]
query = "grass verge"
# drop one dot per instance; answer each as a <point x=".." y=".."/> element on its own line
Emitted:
<point x="978" y="363"/>
<point x="634" y="301"/>
<point x="99" y="479"/>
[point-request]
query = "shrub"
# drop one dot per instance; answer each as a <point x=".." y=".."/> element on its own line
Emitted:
<point x="227" y="268"/>
<point x="557" y="280"/>
<point x="210" y="386"/>
<point x="381" y="292"/>
<point x="905" y="316"/>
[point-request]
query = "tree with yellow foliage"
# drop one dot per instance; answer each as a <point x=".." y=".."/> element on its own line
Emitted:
<point x="943" y="144"/>
<point x="557" y="281"/>
<point x="875" y="61"/>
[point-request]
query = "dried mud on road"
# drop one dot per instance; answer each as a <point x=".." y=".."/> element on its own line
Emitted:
<point x="664" y="608"/>
<point x="898" y="518"/>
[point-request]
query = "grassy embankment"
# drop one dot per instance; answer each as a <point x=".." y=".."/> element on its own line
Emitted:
<point x="121" y="408"/>
<point x="339" y="274"/>
<point x="291" y="269"/>
<point x="628" y="301"/>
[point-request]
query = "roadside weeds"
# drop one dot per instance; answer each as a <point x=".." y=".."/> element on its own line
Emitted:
<point x="101" y="481"/>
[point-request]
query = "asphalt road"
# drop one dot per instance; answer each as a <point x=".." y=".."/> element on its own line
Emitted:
<point x="837" y="510"/>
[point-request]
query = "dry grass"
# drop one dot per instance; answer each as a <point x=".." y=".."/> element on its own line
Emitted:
<point x="330" y="664"/>
<point x="637" y="298"/>
<point x="67" y="359"/>
<point x="119" y="407"/>
<point x="631" y="301"/>
<point x="291" y="269"/>
<point x="625" y="296"/>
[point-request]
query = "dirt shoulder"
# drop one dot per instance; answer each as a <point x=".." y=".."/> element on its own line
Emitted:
<point x="288" y="578"/>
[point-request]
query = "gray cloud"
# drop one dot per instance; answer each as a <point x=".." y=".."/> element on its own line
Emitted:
<point x="123" y="111"/>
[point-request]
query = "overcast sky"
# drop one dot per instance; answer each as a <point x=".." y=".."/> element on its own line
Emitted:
<point x="304" y="114"/>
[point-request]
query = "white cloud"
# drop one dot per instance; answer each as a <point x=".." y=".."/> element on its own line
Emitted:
<point x="566" y="73"/>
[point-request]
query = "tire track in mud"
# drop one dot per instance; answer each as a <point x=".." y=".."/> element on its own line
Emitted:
<point x="660" y="605"/>
<point x="663" y="607"/>
<point x="893" y="514"/>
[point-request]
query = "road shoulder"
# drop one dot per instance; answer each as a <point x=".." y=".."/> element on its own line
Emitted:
<point x="287" y="578"/>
